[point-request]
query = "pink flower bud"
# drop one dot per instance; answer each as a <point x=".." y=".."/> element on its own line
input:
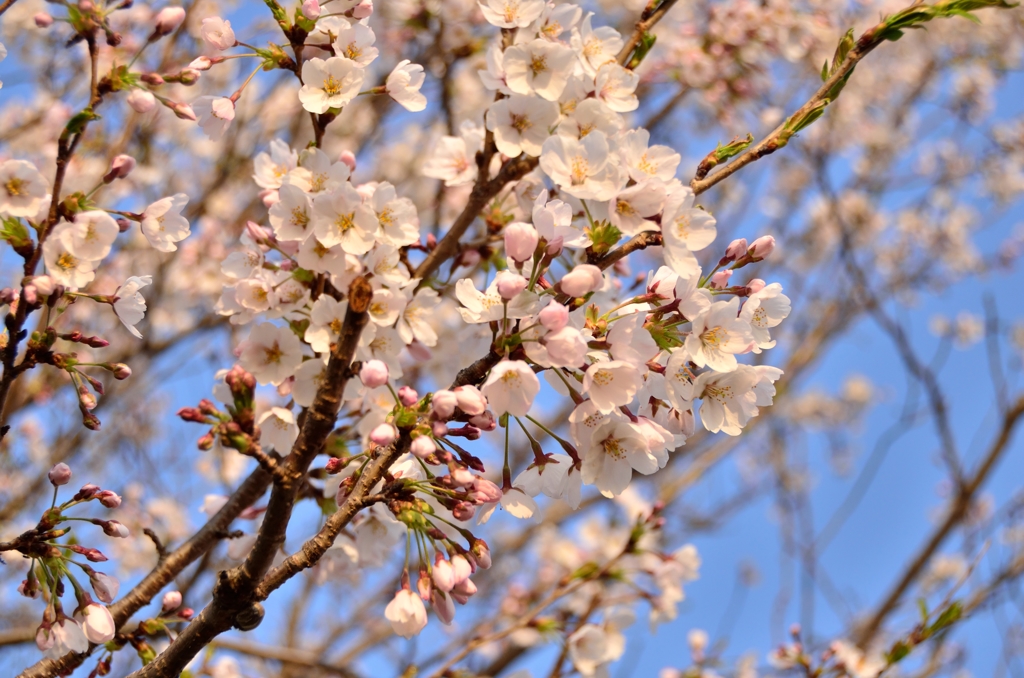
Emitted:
<point x="470" y="400"/>
<point x="87" y="492"/>
<point x="183" y="111"/>
<point x="762" y="247"/>
<point x="104" y="586"/>
<point x="484" y="422"/>
<point x="736" y="249"/>
<point x="422" y="447"/>
<point x="464" y="511"/>
<point x="520" y="241"/>
<point x="112" y="528"/>
<point x="510" y="284"/>
<point x="439" y="429"/>
<point x="384" y="435"/>
<point x="444" y="403"/>
<point x="60" y="474"/>
<point x="554" y="317"/>
<point x="109" y="498"/>
<point x="444" y="607"/>
<point x="554" y="247"/>
<point x="443" y="575"/>
<point x="92" y="555"/>
<point x="311" y="10"/>
<point x="141" y="100"/>
<point x="468" y="432"/>
<point x="167" y="20"/>
<point x="202" y="63"/>
<point x="755" y="285"/>
<point x="408" y="396"/>
<point x="581" y="280"/>
<point x="43" y="20"/>
<point x="485" y="492"/>
<point x="481" y="553"/>
<point x="186" y="613"/>
<point x="374" y="374"/>
<point x="424" y="586"/>
<point x="463" y="591"/>
<point x="347" y="157"/>
<point x="120" y="167"/>
<point x="720" y="280"/>
<point x="123" y="224"/>
<point x="270" y="197"/>
<point x="468" y="258"/>
<point x="171" y="601"/>
<point x="363" y="9"/>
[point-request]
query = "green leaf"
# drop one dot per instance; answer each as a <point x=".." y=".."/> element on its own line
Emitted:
<point x="900" y="650"/>
<point x="15" y="233"/>
<point x="604" y="236"/>
<point x="80" y="120"/>
<point x="949" y="616"/>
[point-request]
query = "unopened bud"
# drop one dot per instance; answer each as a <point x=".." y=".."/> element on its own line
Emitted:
<point x="120" y="167"/>
<point x="203" y="63"/>
<point x="423" y="447"/>
<point x="581" y="280"/>
<point x="123" y="224"/>
<point x="188" y="77"/>
<point x="166" y="21"/>
<point x="171" y="601"/>
<point x="444" y="403"/>
<point x="183" y="111"/>
<point x="109" y="498"/>
<point x="374" y="374"/>
<point x="121" y="371"/>
<point x="521" y="241"/>
<point x="554" y="316"/>
<point x="383" y="435"/>
<point x="755" y="286"/>
<point x="408" y="396"/>
<point x="510" y="285"/>
<point x="311" y="9"/>
<point x="60" y="474"/>
<point x="470" y="400"/>
<point x="334" y="465"/>
<point x="270" y="197"/>
<point x="112" y="528"/>
<point x="762" y="247"/>
<point x="720" y="280"/>
<point x="154" y="79"/>
<point x="363" y="9"/>
<point x="347" y="157"/>
<point x="43" y="20"/>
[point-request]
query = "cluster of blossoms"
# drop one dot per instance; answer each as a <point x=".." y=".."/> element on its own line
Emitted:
<point x="636" y="364"/>
<point x="54" y="562"/>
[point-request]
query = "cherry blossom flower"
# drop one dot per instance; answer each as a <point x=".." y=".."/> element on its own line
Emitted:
<point x="404" y="83"/>
<point x="592" y="646"/>
<point x="611" y="384"/>
<point x="356" y="43"/>
<point x="398" y="217"/>
<point x="329" y="84"/>
<point x="616" y="87"/>
<point x="62" y="637"/>
<point x="214" y="115"/>
<point x="218" y="33"/>
<point x="278" y="429"/>
<point x="511" y="13"/>
<point x="452" y="158"/>
<point x="686" y="229"/>
<point x="728" y="400"/>
<point x="596" y="47"/>
<point x="163" y="225"/>
<point x="482" y="307"/>
<point x="856" y="663"/>
<point x="632" y="207"/>
<point x="580" y="167"/>
<point x="617" y="448"/>
<point x="765" y="309"/>
<point x="341" y="218"/>
<point x="270" y="168"/>
<point x="511" y="387"/>
<point x="62" y="264"/>
<point x="717" y="335"/>
<point x="129" y="304"/>
<point x="290" y="217"/>
<point x="538" y="67"/>
<point x="520" y="123"/>
<point x="325" y="322"/>
<point x="22" y="189"/>
<point x="93" y="234"/>
<point x="406" y="613"/>
<point x="271" y="353"/>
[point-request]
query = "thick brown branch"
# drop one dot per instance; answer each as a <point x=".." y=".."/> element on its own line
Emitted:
<point x="234" y="602"/>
